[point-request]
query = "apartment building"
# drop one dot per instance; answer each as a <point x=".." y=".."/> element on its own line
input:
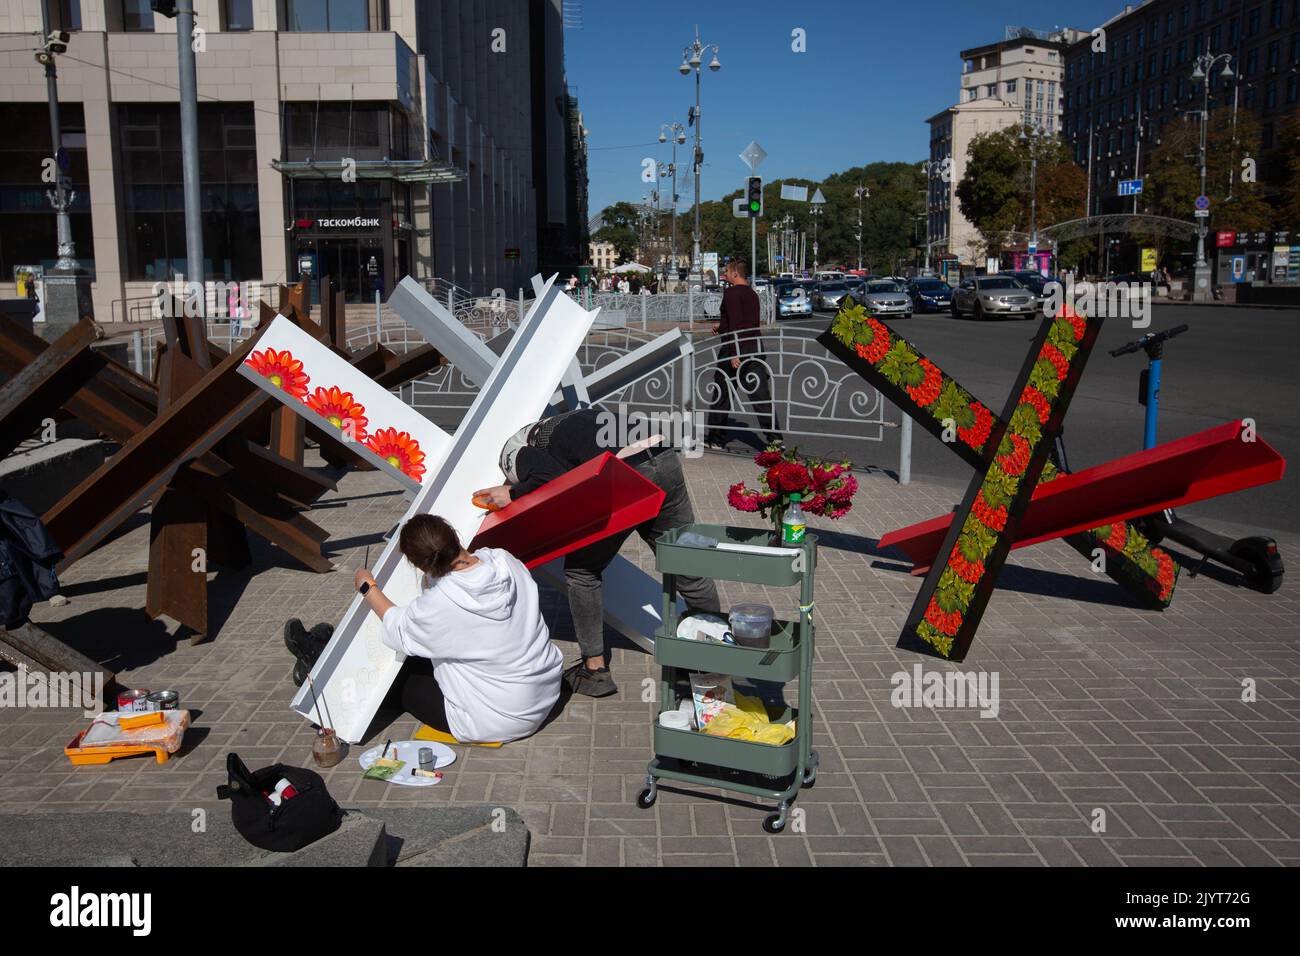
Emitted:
<point x="954" y="242"/>
<point x="1142" y="81"/>
<point x="364" y="139"/>
<point x="1026" y="69"/>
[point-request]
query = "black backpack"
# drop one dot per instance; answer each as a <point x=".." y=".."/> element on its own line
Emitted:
<point x="296" y="822"/>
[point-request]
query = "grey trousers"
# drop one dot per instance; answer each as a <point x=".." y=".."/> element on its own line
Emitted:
<point x="583" y="568"/>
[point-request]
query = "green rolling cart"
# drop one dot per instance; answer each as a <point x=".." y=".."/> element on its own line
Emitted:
<point x="759" y="770"/>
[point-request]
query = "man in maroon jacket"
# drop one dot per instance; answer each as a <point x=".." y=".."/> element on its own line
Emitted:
<point x="742" y="365"/>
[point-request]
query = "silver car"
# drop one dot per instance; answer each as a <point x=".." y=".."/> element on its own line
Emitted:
<point x="987" y="296"/>
<point x="827" y="295"/>
<point x="887" y="298"/>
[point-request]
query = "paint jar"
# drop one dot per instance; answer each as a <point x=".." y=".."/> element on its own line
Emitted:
<point x="751" y="625"/>
<point x="326" y="749"/>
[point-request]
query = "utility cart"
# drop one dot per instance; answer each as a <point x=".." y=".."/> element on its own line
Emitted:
<point x="759" y="770"/>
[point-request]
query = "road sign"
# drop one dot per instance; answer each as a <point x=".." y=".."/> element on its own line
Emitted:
<point x="1033" y="248"/>
<point x="818" y="199"/>
<point x="1130" y="187"/>
<point x="753" y="156"/>
<point x="1201" y="213"/>
<point x="794" y="193"/>
<point x="1202" y="202"/>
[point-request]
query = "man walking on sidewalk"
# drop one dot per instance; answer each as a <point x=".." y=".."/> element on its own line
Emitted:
<point x="741" y="360"/>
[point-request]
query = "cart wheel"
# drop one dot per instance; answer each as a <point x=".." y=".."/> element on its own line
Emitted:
<point x="809" y="778"/>
<point x="646" y="798"/>
<point x="774" y="822"/>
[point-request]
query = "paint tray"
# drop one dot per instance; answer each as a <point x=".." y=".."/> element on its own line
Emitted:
<point x="104" y="741"/>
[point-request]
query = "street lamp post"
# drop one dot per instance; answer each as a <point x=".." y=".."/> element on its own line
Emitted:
<point x="862" y="192"/>
<point x="692" y="57"/>
<point x="1202" y="290"/>
<point x="66" y="285"/>
<point x="678" y="134"/>
<point x="1032" y="136"/>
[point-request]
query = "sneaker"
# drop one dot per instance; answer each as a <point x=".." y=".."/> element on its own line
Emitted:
<point x="306" y="646"/>
<point x="590" y="683"/>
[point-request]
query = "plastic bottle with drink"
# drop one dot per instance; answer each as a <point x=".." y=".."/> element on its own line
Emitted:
<point x="793" y="526"/>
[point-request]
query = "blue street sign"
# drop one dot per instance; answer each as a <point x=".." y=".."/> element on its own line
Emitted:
<point x="1202" y="202"/>
<point x="1130" y="187"/>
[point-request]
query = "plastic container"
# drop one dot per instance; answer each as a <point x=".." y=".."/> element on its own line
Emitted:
<point x="751" y="625"/>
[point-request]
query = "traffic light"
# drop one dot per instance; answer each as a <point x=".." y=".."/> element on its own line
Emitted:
<point x="164" y="8"/>
<point x="754" y="197"/>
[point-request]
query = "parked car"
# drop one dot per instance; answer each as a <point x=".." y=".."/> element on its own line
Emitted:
<point x="1035" y="282"/>
<point x="887" y="299"/>
<point x="929" y="294"/>
<point x="982" y="296"/>
<point x="793" y="300"/>
<point x="827" y="295"/>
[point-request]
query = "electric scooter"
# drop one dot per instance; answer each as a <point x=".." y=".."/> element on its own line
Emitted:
<point x="1256" y="557"/>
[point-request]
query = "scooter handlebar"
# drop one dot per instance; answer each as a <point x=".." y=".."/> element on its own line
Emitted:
<point x="1151" y="338"/>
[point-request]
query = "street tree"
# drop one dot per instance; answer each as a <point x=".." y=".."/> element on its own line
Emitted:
<point x="1174" y="178"/>
<point x="620" y="229"/>
<point x="994" y="192"/>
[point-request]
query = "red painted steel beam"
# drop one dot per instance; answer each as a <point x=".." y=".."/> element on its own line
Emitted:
<point x="1214" y="462"/>
<point x="595" y="500"/>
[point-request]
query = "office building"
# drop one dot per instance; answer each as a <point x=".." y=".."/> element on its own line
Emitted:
<point x="1142" y="81"/>
<point x="366" y="139"/>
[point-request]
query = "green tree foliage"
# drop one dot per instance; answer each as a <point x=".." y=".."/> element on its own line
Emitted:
<point x="890" y="225"/>
<point x="1174" y="179"/>
<point x="620" y="228"/>
<point x="994" y="193"/>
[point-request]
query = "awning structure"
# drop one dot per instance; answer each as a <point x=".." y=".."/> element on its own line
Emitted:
<point x="396" y="170"/>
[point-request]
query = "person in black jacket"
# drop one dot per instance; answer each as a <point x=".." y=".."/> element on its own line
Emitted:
<point x="741" y="361"/>
<point x="548" y="449"/>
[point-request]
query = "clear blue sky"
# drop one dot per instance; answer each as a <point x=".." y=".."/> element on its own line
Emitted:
<point x="873" y="73"/>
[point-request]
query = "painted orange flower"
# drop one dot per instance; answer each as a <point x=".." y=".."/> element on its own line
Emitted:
<point x="400" y="450"/>
<point x="341" y="410"/>
<point x="282" y="370"/>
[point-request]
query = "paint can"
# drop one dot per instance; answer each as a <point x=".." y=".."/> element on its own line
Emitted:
<point x="425" y="755"/>
<point x="163" y="700"/>
<point x="133" y="701"/>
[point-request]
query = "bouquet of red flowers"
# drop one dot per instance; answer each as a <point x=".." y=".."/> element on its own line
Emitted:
<point x="825" y="488"/>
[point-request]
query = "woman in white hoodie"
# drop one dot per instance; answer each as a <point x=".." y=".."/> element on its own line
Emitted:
<point x="480" y="662"/>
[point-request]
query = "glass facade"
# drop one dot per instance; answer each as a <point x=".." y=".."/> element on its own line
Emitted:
<point x="137" y="15"/>
<point x="334" y="16"/>
<point x="237" y="15"/>
<point x="153" y="195"/>
<point x="28" y="233"/>
<point x="64" y="14"/>
<point x="341" y="226"/>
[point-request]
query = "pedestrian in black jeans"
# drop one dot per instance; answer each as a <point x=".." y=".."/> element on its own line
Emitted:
<point x="741" y="358"/>
<point x="545" y="451"/>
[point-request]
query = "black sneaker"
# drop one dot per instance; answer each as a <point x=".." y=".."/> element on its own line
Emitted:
<point x="590" y="683"/>
<point x="306" y="646"/>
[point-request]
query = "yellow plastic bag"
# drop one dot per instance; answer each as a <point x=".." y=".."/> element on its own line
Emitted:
<point x="747" y="720"/>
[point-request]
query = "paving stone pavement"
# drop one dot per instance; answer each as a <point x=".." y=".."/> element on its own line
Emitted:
<point x="1109" y="713"/>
